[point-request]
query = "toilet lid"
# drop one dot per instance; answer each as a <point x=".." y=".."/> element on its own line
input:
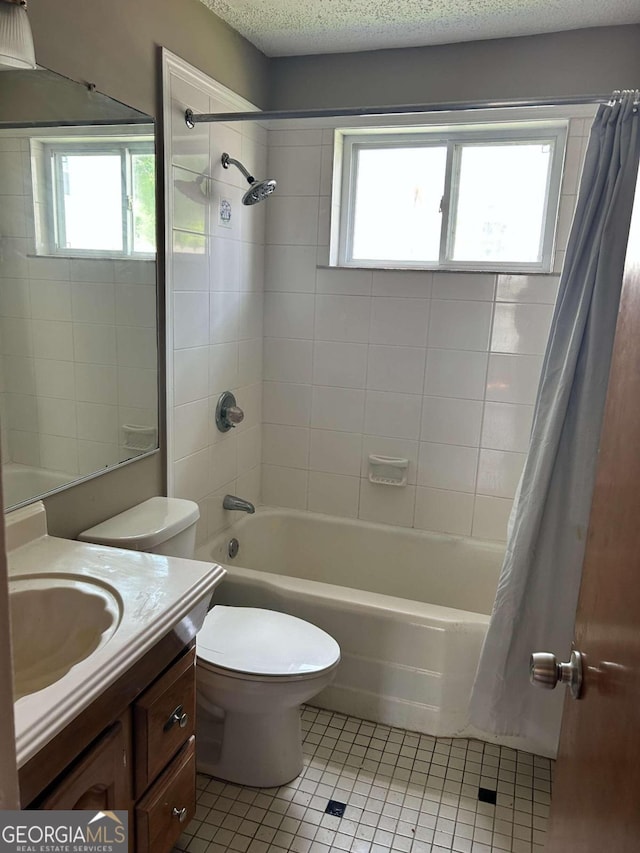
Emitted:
<point x="263" y="642"/>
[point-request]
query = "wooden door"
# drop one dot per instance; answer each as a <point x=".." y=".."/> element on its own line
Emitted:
<point x="596" y="795"/>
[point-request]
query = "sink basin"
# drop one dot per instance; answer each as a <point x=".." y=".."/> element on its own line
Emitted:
<point x="57" y="621"/>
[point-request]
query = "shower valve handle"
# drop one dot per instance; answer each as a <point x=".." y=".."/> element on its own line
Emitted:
<point x="546" y="672"/>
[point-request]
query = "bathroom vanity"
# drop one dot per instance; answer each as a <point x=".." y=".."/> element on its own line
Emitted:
<point x="110" y="724"/>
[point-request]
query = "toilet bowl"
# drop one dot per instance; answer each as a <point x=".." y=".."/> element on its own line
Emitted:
<point x="254" y="668"/>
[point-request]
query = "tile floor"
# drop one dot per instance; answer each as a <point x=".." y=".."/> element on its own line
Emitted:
<point x="403" y="791"/>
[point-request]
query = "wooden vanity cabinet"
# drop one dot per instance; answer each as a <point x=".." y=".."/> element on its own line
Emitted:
<point x="133" y="749"/>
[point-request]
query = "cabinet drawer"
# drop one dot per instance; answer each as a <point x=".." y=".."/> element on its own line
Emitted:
<point x="166" y="809"/>
<point x="163" y="720"/>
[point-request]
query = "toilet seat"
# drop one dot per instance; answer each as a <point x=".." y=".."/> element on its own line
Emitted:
<point x="263" y="644"/>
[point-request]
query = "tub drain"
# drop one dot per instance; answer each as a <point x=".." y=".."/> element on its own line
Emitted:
<point x="234" y="547"/>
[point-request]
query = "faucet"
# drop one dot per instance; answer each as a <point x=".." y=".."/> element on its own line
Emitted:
<point x="232" y="502"/>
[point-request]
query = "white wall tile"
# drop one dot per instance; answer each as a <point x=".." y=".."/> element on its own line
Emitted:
<point x="190" y="319"/>
<point x="456" y="373"/>
<point x="392" y="415"/>
<point x="451" y="421"/>
<point x="224" y="317"/>
<point x="57" y="417"/>
<point x="288" y="360"/>
<point x="286" y="446"/>
<point x="190" y="374"/>
<point x="137" y="386"/>
<point x="97" y="422"/>
<point x="50" y="300"/>
<point x="59" y="453"/>
<point x="443" y="511"/>
<point x="490" y="517"/>
<point x="136" y="305"/>
<point x="16" y="337"/>
<point x="192" y="476"/>
<point x="402" y="283"/>
<point x="223" y="367"/>
<point x="249" y="449"/>
<point x="341" y="365"/>
<point x="399" y="369"/>
<point x="521" y="329"/>
<point x="336" y="452"/>
<point x="290" y="268"/>
<point x="52" y="340"/>
<point x="292" y="221"/>
<point x="460" y="285"/>
<point x="459" y="325"/>
<point x="250" y="361"/>
<point x="94" y="343"/>
<point x="506" y="427"/>
<point x="527" y="288"/>
<point x="190" y="428"/>
<point x="342" y="318"/>
<point x="499" y="473"/>
<point x="223" y="462"/>
<point x="402" y="322"/>
<point x="286" y="403"/>
<point x="447" y="466"/>
<point x="334" y="494"/>
<point x="137" y="347"/>
<point x="20" y="375"/>
<point x="250" y="315"/>
<point x="15" y="298"/>
<point x="344" y="281"/>
<point x="337" y="409"/>
<point x="284" y="486"/>
<point x="513" y="378"/>
<point x="93" y="303"/>
<point x="296" y="169"/>
<point x="55" y="378"/>
<point x="224" y="263"/>
<point x="386" y="504"/>
<point x="288" y="315"/>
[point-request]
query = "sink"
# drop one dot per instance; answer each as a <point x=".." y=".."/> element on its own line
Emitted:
<point x="56" y="622"/>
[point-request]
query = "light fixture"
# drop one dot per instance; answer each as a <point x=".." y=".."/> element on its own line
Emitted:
<point x="16" y="41"/>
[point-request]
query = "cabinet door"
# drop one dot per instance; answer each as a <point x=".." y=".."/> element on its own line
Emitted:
<point x="100" y="779"/>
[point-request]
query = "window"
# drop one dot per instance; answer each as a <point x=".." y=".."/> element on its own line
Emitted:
<point x="468" y="199"/>
<point x="102" y="199"/>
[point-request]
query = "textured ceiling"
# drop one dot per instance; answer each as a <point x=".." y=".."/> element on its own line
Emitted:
<point x="290" y="27"/>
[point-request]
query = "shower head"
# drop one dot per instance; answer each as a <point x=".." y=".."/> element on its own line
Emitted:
<point x="258" y="190"/>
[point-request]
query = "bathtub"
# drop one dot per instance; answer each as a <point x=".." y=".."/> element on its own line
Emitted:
<point x="23" y="483"/>
<point x="409" y="609"/>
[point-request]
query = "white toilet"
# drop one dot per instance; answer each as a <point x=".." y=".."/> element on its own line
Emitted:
<point x="254" y="667"/>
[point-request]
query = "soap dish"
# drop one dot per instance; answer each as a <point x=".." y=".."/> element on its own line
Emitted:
<point x="388" y="470"/>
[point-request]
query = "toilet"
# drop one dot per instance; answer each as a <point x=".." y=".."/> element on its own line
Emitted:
<point x="254" y="667"/>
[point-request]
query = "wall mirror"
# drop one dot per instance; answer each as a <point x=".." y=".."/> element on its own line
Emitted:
<point x="78" y="298"/>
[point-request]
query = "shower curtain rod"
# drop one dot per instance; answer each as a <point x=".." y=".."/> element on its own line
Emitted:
<point x="192" y="118"/>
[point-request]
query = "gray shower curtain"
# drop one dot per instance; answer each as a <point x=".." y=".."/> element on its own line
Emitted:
<point x="537" y="592"/>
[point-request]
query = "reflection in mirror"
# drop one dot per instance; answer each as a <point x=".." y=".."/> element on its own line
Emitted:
<point x="78" y="330"/>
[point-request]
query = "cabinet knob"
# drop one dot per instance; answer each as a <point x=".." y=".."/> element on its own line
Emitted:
<point x="178" y="716"/>
<point x="181" y="814"/>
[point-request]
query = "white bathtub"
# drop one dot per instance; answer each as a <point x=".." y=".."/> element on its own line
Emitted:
<point x="409" y="609"/>
<point x="23" y="483"/>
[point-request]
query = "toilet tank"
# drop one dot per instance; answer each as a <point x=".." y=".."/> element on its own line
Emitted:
<point x="159" y="525"/>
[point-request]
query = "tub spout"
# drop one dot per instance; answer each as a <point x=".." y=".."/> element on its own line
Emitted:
<point x="232" y="502"/>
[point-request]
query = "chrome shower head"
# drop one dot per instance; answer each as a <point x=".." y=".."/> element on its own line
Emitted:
<point x="258" y="190"/>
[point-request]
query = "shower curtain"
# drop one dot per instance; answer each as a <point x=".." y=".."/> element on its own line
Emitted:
<point x="537" y="592"/>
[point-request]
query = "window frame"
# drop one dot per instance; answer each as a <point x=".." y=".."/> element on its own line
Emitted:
<point x="53" y="154"/>
<point x="352" y="141"/>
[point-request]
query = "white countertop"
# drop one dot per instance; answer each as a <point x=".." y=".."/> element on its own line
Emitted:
<point x="155" y="593"/>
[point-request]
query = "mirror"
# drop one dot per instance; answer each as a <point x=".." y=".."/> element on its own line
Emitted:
<point x="78" y="299"/>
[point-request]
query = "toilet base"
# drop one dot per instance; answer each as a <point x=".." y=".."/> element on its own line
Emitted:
<point x="257" y="750"/>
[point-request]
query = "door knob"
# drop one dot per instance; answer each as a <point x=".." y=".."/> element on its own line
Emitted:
<point x="545" y="671"/>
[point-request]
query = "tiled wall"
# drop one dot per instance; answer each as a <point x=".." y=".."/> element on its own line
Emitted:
<point x="78" y="342"/>
<point x="439" y="368"/>
<point x="216" y="300"/>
